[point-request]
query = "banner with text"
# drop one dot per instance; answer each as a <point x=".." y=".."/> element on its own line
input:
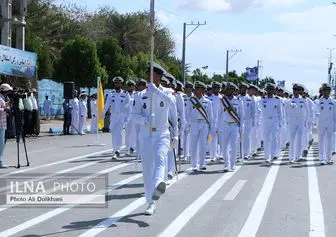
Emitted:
<point x="15" y="62"/>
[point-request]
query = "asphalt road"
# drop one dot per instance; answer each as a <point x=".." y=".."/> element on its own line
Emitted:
<point x="281" y="200"/>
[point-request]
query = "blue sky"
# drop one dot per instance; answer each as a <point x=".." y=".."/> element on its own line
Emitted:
<point x="290" y="37"/>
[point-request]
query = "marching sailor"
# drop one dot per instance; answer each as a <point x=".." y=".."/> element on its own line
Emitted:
<point x="296" y="110"/>
<point x="216" y="100"/>
<point x="255" y="131"/>
<point x="118" y="100"/>
<point x="199" y="115"/>
<point x="272" y="120"/>
<point x="249" y="117"/>
<point x="189" y="88"/>
<point x="130" y="125"/>
<point x="152" y="111"/>
<point x="230" y="122"/>
<point x="140" y="86"/>
<point x="326" y="111"/>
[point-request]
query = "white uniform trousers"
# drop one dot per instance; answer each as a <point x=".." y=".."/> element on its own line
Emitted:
<point x="137" y="132"/>
<point x="246" y="138"/>
<point x="214" y="145"/>
<point x="199" y="132"/>
<point x="325" y="131"/>
<point x="186" y="144"/>
<point x="296" y="130"/>
<point x="260" y="134"/>
<point x="153" y="149"/>
<point x="282" y="137"/>
<point x="81" y="125"/>
<point x="270" y="138"/>
<point x="116" y="127"/>
<point x="230" y="143"/>
<point x="74" y="128"/>
<point x="310" y="131"/>
<point x="130" y="130"/>
<point x="254" y="140"/>
<point x="334" y="142"/>
<point x="305" y="142"/>
<point x="94" y="128"/>
<point x="170" y="163"/>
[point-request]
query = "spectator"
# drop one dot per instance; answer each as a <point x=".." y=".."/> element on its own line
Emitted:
<point x="4" y="107"/>
<point x="47" y="107"/>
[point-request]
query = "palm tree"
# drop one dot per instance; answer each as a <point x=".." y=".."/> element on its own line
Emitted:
<point x="131" y="31"/>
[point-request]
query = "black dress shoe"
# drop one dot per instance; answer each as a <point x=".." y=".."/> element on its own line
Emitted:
<point x="203" y="168"/>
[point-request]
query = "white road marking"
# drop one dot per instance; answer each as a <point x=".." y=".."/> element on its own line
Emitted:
<point x="255" y="217"/>
<point x="235" y="190"/>
<point x="105" y="224"/>
<point x="176" y="226"/>
<point x="54" y="163"/>
<point x="55" y="212"/>
<point x="317" y="228"/>
<point x="37" y="151"/>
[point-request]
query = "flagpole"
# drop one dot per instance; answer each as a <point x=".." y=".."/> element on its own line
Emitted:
<point x="152" y="26"/>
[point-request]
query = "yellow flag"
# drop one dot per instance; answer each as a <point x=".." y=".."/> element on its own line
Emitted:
<point x="100" y="105"/>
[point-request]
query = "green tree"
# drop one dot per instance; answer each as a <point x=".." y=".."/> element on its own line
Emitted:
<point x="110" y="56"/>
<point x="218" y="77"/>
<point x="79" y="63"/>
<point x="198" y="75"/>
<point x="44" y="63"/>
<point x="265" y="80"/>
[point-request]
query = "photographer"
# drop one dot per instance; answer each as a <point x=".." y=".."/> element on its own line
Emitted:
<point x="5" y="89"/>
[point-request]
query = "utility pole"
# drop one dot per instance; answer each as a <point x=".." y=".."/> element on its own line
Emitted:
<point x="184" y="43"/>
<point x="6" y="31"/>
<point x="19" y="15"/>
<point x="234" y="51"/>
<point x="13" y="13"/>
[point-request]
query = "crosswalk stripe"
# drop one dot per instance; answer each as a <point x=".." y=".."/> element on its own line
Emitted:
<point x="255" y="217"/>
<point x="106" y="223"/>
<point x="176" y="226"/>
<point x="315" y="204"/>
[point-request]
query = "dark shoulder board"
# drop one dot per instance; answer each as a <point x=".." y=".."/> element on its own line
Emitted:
<point x="277" y="97"/>
<point x="144" y="97"/>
